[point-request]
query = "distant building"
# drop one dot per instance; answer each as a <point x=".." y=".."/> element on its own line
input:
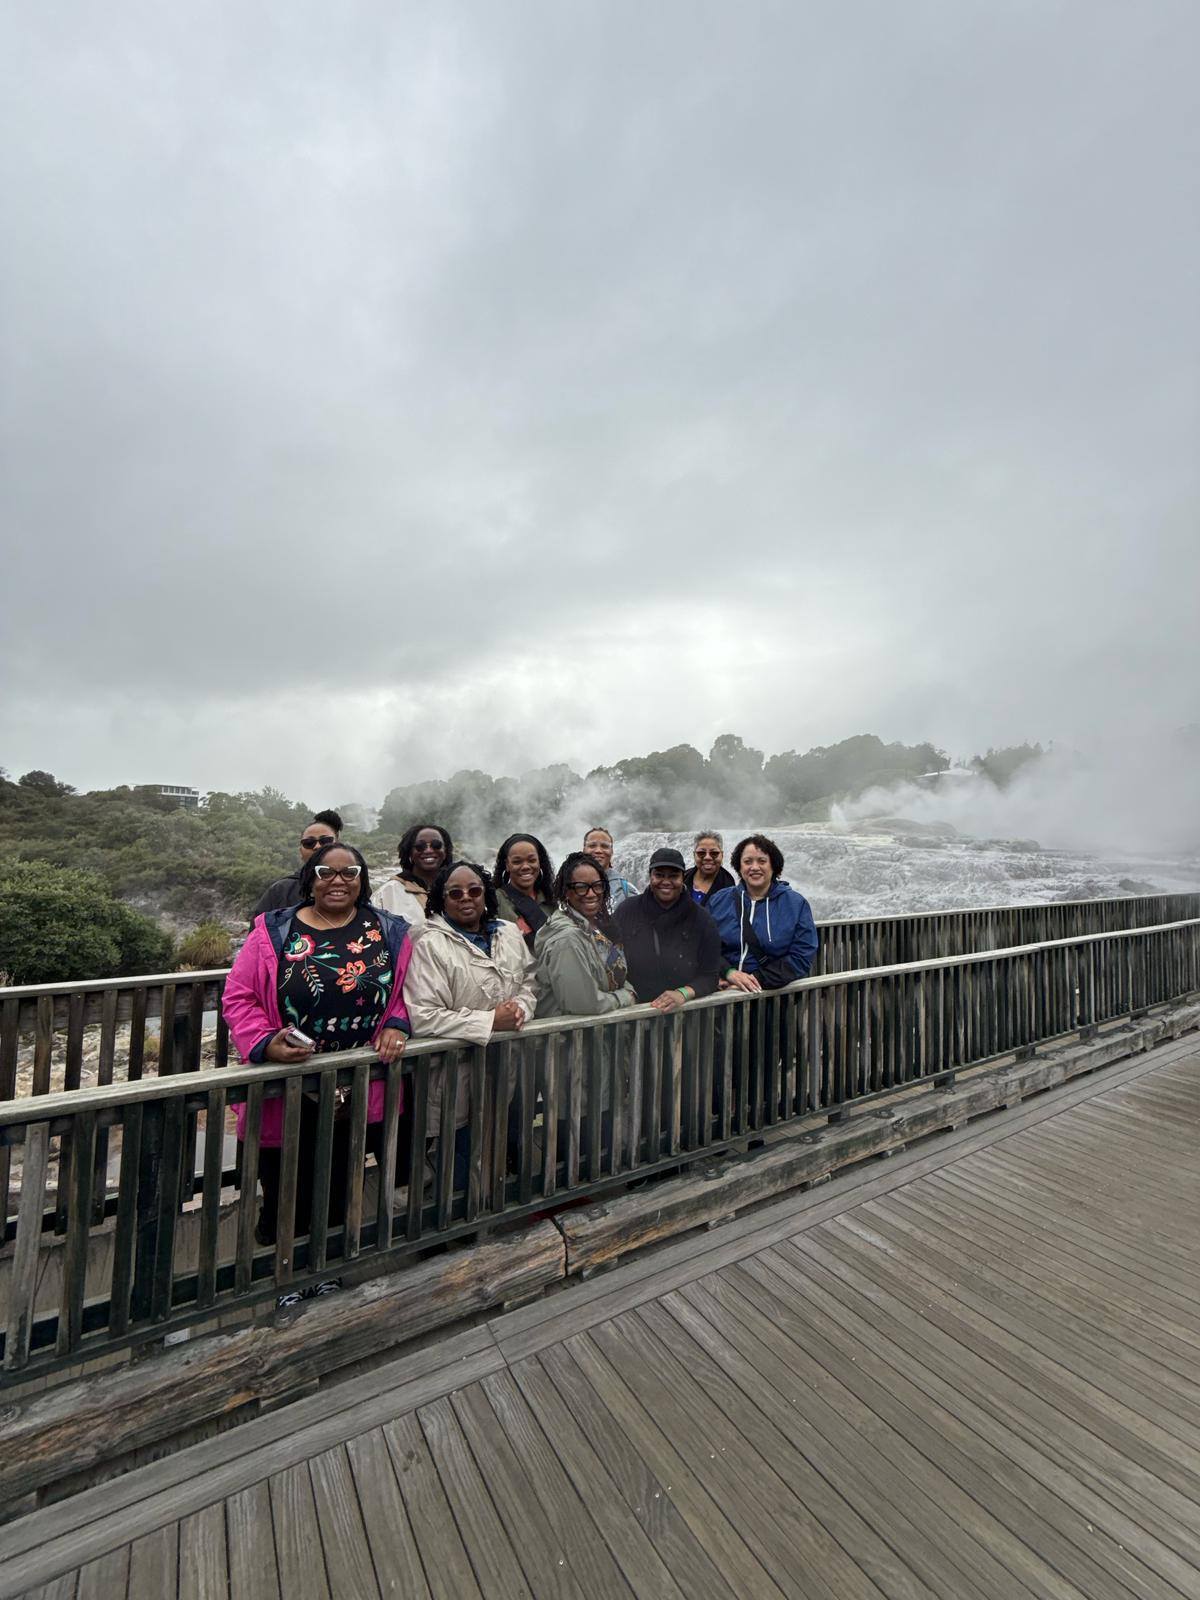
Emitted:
<point x="182" y="796"/>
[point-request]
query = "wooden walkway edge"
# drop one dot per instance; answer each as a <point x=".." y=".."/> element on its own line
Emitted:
<point x="973" y="1370"/>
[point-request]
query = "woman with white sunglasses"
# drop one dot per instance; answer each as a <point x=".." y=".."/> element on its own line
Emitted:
<point x="313" y="979"/>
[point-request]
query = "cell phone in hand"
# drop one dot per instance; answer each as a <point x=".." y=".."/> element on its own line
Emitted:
<point x="300" y="1040"/>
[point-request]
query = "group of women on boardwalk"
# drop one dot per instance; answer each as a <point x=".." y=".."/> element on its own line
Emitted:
<point x="447" y="949"/>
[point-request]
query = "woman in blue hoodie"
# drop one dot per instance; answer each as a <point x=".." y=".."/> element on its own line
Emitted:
<point x="768" y="937"/>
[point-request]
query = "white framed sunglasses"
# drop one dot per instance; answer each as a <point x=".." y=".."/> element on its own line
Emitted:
<point x="350" y="874"/>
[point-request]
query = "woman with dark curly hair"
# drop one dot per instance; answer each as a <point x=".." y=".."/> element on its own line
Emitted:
<point x="313" y="979"/>
<point x="768" y="936"/>
<point x="524" y="884"/>
<point x="423" y="851"/>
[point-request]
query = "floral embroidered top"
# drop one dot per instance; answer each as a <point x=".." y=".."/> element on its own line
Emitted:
<point x="334" y="984"/>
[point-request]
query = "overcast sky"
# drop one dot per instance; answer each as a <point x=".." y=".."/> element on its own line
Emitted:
<point x="390" y="389"/>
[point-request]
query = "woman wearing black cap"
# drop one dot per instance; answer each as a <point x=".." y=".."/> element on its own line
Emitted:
<point x="672" y="946"/>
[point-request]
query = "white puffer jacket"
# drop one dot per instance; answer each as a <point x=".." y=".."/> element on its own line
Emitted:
<point x="452" y="988"/>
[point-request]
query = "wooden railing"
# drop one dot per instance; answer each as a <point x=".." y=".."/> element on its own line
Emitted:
<point x="572" y="1106"/>
<point x="56" y="1036"/>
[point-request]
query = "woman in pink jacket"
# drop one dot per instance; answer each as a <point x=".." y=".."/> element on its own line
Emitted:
<point x="312" y="979"/>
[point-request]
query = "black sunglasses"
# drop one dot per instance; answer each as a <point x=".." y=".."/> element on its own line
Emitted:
<point x="315" y="841"/>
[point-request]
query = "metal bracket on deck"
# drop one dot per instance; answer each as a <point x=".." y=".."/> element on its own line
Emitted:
<point x="1025" y="1052"/>
<point x="1089" y="1030"/>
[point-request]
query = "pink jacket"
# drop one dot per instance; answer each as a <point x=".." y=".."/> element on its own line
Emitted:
<point x="250" y="1005"/>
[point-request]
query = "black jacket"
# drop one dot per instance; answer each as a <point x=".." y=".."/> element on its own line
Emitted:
<point x="283" y="892"/>
<point x="723" y="880"/>
<point x="667" y="949"/>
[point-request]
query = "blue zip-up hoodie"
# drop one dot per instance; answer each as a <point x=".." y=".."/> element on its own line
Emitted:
<point x="783" y="921"/>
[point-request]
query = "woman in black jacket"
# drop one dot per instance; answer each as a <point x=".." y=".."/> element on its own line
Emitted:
<point x="672" y="947"/>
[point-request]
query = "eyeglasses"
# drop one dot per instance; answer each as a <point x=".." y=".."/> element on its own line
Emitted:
<point x="473" y="891"/>
<point x="425" y="845"/>
<point x="315" y="842"/>
<point x="585" y="888"/>
<point x="348" y="873"/>
<point x="708" y="853"/>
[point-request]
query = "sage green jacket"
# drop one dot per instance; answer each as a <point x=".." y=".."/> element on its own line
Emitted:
<point x="571" y="976"/>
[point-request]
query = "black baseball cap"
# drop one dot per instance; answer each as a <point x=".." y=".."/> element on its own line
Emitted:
<point x="664" y="856"/>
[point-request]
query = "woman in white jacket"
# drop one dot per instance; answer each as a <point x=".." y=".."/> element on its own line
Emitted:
<point x="470" y="978"/>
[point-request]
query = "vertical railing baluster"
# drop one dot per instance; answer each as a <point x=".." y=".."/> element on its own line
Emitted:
<point x="247" y="1189"/>
<point x="552" y="1111"/>
<point x="24" y="1278"/>
<point x="210" y="1201"/>
<point x="321" y="1184"/>
<point x="419" y="1085"/>
<point x="125" y="1230"/>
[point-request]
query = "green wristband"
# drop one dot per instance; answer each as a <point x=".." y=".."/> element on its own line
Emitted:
<point x="683" y="991"/>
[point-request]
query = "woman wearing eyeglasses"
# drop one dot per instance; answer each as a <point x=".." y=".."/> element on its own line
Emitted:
<point x="325" y="828"/>
<point x="470" y="978"/>
<point x="423" y="851"/>
<point x="708" y="876"/>
<point x="312" y="979"/>
<point x="581" y="969"/>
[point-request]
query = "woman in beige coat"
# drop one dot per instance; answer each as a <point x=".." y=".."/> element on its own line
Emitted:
<point x="474" y="979"/>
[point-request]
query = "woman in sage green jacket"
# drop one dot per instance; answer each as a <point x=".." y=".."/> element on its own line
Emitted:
<point x="581" y="968"/>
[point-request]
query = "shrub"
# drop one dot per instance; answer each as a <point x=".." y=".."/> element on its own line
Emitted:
<point x="56" y="924"/>
<point x="205" y="947"/>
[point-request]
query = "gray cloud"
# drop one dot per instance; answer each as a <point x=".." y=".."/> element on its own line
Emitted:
<point x="634" y="373"/>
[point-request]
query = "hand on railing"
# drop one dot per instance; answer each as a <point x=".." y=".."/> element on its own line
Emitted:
<point x="508" y="1017"/>
<point x="741" y="980"/>
<point x="390" y="1044"/>
<point x="670" y="1000"/>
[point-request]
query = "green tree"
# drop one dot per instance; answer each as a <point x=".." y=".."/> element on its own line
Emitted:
<point x="44" y="783"/>
<point x="57" y="924"/>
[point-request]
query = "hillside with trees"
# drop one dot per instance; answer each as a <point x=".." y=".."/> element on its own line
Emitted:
<point x="101" y="861"/>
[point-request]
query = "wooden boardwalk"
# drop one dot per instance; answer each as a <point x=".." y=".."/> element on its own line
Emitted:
<point x="971" y="1370"/>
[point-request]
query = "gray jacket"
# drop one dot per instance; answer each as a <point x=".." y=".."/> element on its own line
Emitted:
<point x="571" y="977"/>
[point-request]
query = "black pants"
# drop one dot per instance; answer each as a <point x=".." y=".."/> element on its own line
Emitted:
<point x="270" y="1166"/>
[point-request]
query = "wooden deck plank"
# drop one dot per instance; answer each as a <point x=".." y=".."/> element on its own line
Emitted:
<point x="653" y="1333"/>
<point x="1004" y="1258"/>
<point x="592" y="1563"/>
<point x="539" y="1544"/>
<point x="1083" y="1244"/>
<point x="154" y="1564"/>
<point x="496" y="1566"/>
<point x="203" y="1560"/>
<point x="796" y="1554"/>
<point x="812" y="1403"/>
<point x="900" y="1325"/>
<point x="298" y="1549"/>
<point x="972" y="1375"/>
<point x="656" y="1553"/>
<point x="997" y="1503"/>
<point x="1104" y="1487"/>
<point x="448" y="1569"/>
<point x="62" y="1588"/>
<point x="1104" y="1341"/>
<point x="667" y="1488"/>
<point x="253" y="1569"/>
<point x="398" y="1569"/>
<point x="1008" y="1234"/>
<point x="348" y="1558"/>
<point x="106" y="1577"/>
